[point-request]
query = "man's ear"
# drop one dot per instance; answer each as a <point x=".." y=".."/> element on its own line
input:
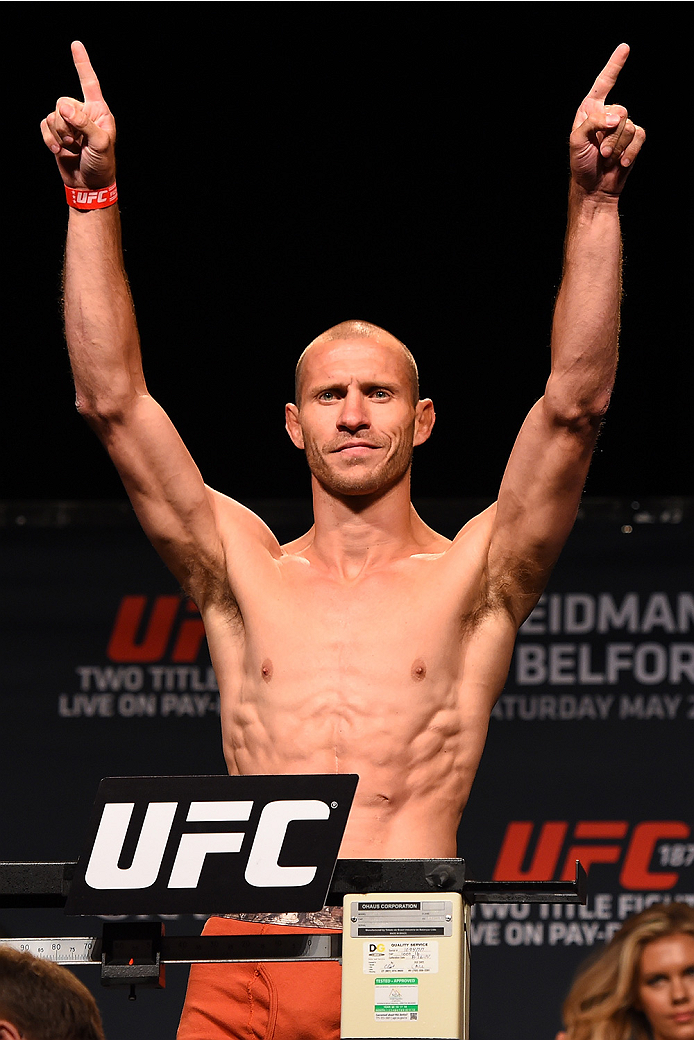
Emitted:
<point x="293" y="428"/>
<point x="8" y="1031"/>
<point x="424" y="420"/>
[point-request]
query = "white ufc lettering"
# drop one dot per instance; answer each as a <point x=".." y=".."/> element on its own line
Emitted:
<point x="194" y="847"/>
<point x="103" y="870"/>
<point x="262" y="870"/>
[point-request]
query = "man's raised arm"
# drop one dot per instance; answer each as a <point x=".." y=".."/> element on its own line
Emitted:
<point x="542" y="485"/>
<point x="177" y="511"/>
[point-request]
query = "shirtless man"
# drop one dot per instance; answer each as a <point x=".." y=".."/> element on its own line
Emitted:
<point x="372" y="644"/>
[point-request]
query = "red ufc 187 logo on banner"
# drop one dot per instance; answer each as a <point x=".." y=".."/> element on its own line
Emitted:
<point x="143" y="632"/>
<point x="635" y="851"/>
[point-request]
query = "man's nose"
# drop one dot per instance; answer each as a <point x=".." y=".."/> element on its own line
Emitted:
<point x="353" y="413"/>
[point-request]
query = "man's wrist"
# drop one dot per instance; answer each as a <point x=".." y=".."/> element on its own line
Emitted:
<point x="91" y="198"/>
<point x="580" y="196"/>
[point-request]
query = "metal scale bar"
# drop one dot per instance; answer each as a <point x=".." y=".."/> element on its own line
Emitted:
<point x="123" y="945"/>
<point x="38" y="884"/>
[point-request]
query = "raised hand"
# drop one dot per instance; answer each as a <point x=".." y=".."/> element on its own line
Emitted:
<point x="82" y="134"/>
<point x="604" y="142"/>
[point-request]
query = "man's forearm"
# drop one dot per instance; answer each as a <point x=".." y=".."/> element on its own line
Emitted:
<point x="585" y="329"/>
<point x="100" y="325"/>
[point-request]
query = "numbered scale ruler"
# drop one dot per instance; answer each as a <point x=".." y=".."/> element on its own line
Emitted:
<point x="124" y="947"/>
<point x="72" y="950"/>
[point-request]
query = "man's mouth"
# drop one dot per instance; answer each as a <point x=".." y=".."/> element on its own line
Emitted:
<point x="355" y="448"/>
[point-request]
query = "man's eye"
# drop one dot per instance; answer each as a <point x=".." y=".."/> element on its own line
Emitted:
<point x="380" y="394"/>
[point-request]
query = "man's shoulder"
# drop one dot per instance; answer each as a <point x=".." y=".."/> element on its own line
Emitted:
<point x="470" y="547"/>
<point x="459" y="566"/>
<point x="297" y="545"/>
<point x="239" y="527"/>
<point x="476" y="530"/>
<point x="478" y="527"/>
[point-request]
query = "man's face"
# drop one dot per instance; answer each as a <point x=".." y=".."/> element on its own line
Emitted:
<point x="357" y="420"/>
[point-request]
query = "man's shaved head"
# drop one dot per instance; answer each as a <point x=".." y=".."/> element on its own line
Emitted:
<point x="356" y="329"/>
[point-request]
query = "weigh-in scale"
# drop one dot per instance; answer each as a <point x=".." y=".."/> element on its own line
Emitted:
<point x="269" y="844"/>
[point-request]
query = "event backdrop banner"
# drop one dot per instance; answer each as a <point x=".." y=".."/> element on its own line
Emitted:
<point x="105" y="672"/>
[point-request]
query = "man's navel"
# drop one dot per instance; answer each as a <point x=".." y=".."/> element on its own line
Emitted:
<point x="418" y="670"/>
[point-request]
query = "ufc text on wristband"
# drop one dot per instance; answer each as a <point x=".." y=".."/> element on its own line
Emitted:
<point x="88" y="198"/>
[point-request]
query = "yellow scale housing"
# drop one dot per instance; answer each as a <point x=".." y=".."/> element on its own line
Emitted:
<point x="405" y="966"/>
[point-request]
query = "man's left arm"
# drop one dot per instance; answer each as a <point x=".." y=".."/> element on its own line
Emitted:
<point x="542" y="485"/>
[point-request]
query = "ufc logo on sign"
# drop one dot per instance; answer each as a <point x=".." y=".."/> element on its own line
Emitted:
<point x="211" y="844"/>
<point x="262" y="868"/>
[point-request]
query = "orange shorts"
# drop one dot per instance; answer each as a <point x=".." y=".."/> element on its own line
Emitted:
<point x="272" y="1001"/>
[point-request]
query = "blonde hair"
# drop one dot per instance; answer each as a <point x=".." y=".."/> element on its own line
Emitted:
<point x="601" y="1004"/>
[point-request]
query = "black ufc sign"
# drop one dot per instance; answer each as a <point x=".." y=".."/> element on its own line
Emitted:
<point x="211" y="844"/>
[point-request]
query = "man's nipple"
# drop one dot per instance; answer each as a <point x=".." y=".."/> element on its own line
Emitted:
<point x="418" y="670"/>
<point x="266" y="669"/>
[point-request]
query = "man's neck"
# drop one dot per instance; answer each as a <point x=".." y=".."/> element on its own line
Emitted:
<point x="354" y="532"/>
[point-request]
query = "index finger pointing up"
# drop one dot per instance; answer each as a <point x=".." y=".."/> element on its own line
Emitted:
<point x="608" y="77"/>
<point x="88" y="81"/>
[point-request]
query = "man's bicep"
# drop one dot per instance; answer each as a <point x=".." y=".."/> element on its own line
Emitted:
<point x="167" y="492"/>
<point x="538" y="500"/>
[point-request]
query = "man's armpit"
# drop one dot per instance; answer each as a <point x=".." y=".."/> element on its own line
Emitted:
<point x="208" y="586"/>
<point x="516" y="585"/>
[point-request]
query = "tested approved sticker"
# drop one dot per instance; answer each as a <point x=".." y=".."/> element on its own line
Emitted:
<point x="396" y="999"/>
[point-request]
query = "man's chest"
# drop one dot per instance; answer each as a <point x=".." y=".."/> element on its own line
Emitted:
<point x="409" y="611"/>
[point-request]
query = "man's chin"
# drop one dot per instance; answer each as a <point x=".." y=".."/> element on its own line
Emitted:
<point x="355" y="490"/>
<point x="354" y="484"/>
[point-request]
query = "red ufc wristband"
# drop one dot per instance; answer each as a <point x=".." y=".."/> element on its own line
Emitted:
<point x="91" y="198"/>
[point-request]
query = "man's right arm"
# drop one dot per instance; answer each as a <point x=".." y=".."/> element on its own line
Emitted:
<point x="177" y="511"/>
<point x="162" y="481"/>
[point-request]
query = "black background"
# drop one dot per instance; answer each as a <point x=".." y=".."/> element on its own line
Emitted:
<point x="283" y="167"/>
